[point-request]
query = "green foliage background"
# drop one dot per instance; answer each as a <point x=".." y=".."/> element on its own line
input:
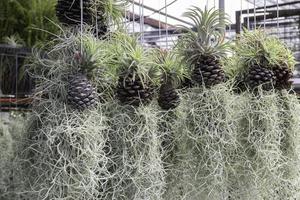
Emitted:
<point x="30" y="20"/>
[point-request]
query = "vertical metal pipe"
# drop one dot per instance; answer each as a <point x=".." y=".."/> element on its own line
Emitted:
<point x="222" y="5"/>
<point x="222" y="13"/>
<point x="238" y="22"/>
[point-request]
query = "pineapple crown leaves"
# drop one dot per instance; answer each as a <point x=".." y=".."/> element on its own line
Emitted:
<point x="109" y="9"/>
<point x="75" y="52"/>
<point x="232" y="66"/>
<point x="173" y="69"/>
<point x="132" y="58"/>
<point x="256" y="47"/>
<point x="208" y="39"/>
<point x="95" y="62"/>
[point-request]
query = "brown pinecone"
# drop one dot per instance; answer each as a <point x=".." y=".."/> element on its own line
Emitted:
<point x="260" y="76"/>
<point x="81" y="93"/>
<point x="208" y="71"/>
<point x="168" y="97"/>
<point x="133" y="92"/>
<point x="283" y="77"/>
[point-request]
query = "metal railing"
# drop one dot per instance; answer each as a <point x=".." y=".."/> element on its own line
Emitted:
<point x="15" y="83"/>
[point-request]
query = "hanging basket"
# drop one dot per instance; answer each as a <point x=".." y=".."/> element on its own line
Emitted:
<point x="15" y="79"/>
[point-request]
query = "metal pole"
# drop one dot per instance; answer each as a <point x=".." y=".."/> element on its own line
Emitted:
<point x="222" y="5"/>
<point x="222" y="14"/>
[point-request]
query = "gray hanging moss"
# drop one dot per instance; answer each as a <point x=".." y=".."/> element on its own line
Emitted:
<point x="63" y="154"/>
<point x="205" y="140"/>
<point x="135" y="153"/>
<point x="6" y="157"/>
<point x="229" y="146"/>
<point x="11" y="130"/>
<point x="256" y="168"/>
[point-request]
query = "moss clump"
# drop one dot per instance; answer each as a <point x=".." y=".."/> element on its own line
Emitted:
<point x="135" y="151"/>
<point x="205" y="140"/>
<point x="63" y="154"/>
<point x="257" y="167"/>
<point x="11" y="133"/>
<point x="228" y="146"/>
<point x="6" y="157"/>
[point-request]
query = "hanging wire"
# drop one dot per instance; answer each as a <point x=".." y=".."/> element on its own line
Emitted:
<point x="143" y="22"/>
<point x="97" y="30"/>
<point x="265" y="9"/>
<point x="16" y="81"/>
<point x="207" y="4"/>
<point x="140" y="17"/>
<point x="125" y="19"/>
<point x="277" y="13"/>
<point x="248" y="16"/>
<point x="81" y="26"/>
<point x="214" y="3"/>
<point x="254" y="14"/>
<point x="241" y="15"/>
<point x="166" y="24"/>
<point x="159" y="22"/>
<point x="133" y="17"/>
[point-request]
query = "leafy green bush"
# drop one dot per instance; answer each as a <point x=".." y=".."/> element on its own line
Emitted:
<point x="33" y="21"/>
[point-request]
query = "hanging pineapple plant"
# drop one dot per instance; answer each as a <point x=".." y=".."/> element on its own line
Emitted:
<point x="81" y="93"/>
<point x="138" y="74"/>
<point x="78" y="76"/>
<point x="66" y="136"/>
<point x="262" y="60"/>
<point x="97" y="13"/>
<point x="172" y="76"/>
<point x="204" y="48"/>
